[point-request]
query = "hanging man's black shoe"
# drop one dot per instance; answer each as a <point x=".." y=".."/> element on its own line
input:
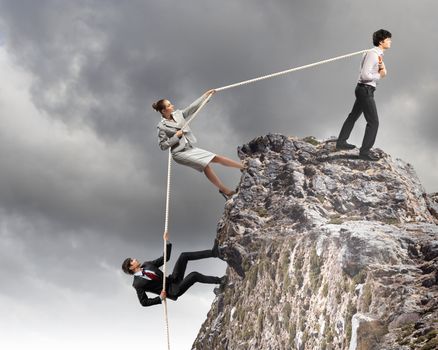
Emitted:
<point x="368" y="156"/>
<point x="344" y="145"/>
<point x="224" y="280"/>
<point x="222" y="284"/>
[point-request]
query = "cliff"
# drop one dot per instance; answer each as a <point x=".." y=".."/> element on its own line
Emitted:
<point x="326" y="251"/>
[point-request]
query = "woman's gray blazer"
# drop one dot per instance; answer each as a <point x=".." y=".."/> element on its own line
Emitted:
<point x="168" y="128"/>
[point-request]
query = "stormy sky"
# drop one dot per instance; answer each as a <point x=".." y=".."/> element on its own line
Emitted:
<point x="82" y="180"/>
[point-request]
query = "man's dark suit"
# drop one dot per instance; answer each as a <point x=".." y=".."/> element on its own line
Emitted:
<point x="176" y="283"/>
<point x="143" y="285"/>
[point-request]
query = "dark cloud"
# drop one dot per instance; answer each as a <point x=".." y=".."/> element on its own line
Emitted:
<point x="83" y="179"/>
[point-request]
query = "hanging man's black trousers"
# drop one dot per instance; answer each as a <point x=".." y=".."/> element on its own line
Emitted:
<point x="178" y="284"/>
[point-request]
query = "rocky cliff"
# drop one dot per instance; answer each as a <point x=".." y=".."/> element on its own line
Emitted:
<point x="326" y="251"/>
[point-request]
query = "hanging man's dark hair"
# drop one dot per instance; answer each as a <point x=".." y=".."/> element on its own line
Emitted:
<point x="126" y="266"/>
<point x="380" y="35"/>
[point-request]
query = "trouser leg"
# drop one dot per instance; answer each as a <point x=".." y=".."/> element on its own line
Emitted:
<point x="370" y="113"/>
<point x="181" y="264"/>
<point x="179" y="289"/>
<point x="348" y="125"/>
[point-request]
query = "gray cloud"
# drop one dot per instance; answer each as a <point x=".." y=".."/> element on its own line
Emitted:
<point x="83" y="179"/>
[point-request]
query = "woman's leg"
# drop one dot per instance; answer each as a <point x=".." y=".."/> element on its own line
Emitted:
<point x="211" y="175"/>
<point x="227" y="162"/>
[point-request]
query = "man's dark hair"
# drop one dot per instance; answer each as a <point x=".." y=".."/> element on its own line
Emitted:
<point x="380" y="35"/>
<point x="126" y="266"/>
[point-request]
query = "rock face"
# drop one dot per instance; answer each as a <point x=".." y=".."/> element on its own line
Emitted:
<point x="326" y="251"/>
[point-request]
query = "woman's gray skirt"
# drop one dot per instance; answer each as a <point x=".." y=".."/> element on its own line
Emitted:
<point x="194" y="157"/>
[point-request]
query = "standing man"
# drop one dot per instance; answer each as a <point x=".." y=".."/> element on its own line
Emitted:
<point x="372" y="69"/>
<point x="149" y="278"/>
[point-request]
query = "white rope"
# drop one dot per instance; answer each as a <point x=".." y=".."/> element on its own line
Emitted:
<point x="272" y="76"/>
<point x="166" y="228"/>
<point x="166" y="221"/>
<point x="197" y="111"/>
<point x="290" y="70"/>
<point x="166" y="323"/>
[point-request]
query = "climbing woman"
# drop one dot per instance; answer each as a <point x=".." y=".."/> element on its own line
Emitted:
<point x="172" y="133"/>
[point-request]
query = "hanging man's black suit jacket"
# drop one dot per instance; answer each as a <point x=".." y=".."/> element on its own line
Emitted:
<point x="143" y="285"/>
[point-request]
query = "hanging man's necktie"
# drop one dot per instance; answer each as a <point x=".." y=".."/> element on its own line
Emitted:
<point x="151" y="275"/>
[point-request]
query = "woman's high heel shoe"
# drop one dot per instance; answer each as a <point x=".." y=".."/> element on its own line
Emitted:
<point x="227" y="196"/>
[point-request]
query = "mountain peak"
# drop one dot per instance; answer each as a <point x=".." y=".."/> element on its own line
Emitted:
<point x="326" y="251"/>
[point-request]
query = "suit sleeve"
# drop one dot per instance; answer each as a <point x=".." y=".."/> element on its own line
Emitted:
<point x="166" y="142"/>
<point x="160" y="261"/>
<point x="144" y="300"/>
<point x="188" y="111"/>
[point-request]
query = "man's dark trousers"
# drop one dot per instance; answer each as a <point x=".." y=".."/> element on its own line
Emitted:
<point x="364" y="103"/>
<point x="178" y="285"/>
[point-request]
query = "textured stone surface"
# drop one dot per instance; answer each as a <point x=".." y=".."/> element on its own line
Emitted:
<point x="326" y="251"/>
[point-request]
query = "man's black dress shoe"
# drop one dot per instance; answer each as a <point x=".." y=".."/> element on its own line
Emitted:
<point x="345" y="145"/>
<point x="368" y="156"/>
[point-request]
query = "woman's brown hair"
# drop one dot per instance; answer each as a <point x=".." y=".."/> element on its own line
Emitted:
<point x="159" y="105"/>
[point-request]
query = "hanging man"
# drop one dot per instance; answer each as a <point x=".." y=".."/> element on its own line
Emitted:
<point x="149" y="278"/>
<point x="372" y="69"/>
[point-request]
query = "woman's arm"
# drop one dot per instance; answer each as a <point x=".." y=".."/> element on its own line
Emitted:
<point x="165" y="142"/>
<point x="188" y="111"/>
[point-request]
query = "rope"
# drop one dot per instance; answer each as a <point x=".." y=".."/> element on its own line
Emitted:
<point x="272" y="76"/>
<point x="197" y="111"/>
<point x="166" y="227"/>
<point x="290" y="70"/>
<point x="166" y="324"/>
<point x="166" y="221"/>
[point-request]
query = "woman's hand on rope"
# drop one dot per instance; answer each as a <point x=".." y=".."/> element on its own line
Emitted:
<point x="163" y="295"/>
<point x="210" y="92"/>
<point x="180" y="133"/>
<point x="166" y="235"/>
